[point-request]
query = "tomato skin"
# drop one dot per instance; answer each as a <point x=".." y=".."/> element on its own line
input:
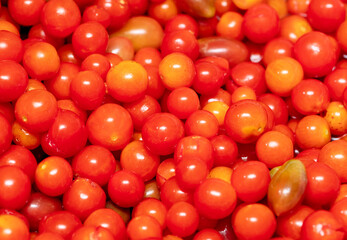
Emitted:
<point x="125" y="188"/>
<point x="12" y="47"/>
<point x="112" y="134"/>
<point x="26" y="12"/>
<point x="60" y="19"/>
<point x="13" y="89"/>
<point x="96" y="232"/>
<point x="171" y="193"/>
<point x="5" y="134"/>
<point x="339" y="210"/>
<point x="143" y="228"/>
<point x="13" y="227"/>
<point x="15" y="195"/>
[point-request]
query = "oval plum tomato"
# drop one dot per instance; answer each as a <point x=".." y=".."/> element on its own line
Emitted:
<point x="127" y="81"/>
<point x="125" y="188"/>
<point x="322" y="224"/>
<point x="108" y="219"/>
<point x="326" y="15"/>
<point x="251" y="180"/>
<point x="245" y="121"/>
<point x="53" y="176"/>
<point x="41" y="54"/>
<point x="161" y="133"/>
<point x="89" y="38"/>
<point x="13" y="80"/>
<point x="66" y="136"/>
<point x="215" y="198"/>
<point x="60" y="18"/>
<point x="110" y="126"/>
<point x="182" y="219"/>
<point x="63" y="223"/>
<point x="323" y="185"/>
<point x="253" y="221"/>
<point x="13" y="227"/>
<point x="316" y="53"/>
<point x="143" y="228"/>
<point x="84" y="197"/>
<point x="260" y="23"/>
<point x="87" y="90"/>
<point x="15" y="187"/>
<point x="94" y="162"/>
<point x="38" y="206"/>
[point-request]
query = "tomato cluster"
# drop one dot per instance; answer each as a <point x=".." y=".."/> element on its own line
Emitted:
<point x="173" y="120"/>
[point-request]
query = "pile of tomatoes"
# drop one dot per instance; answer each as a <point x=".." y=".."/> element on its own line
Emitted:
<point x="173" y="119"/>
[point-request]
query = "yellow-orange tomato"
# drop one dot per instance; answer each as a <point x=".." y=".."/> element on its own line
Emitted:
<point x="336" y="116"/>
<point x="242" y="93"/>
<point x="230" y="25"/>
<point x="152" y="190"/>
<point x="8" y="26"/>
<point x="142" y="31"/>
<point x="312" y="132"/>
<point x="177" y="70"/>
<point x="23" y="137"/>
<point x="282" y="75"/>
<point x="246" y="4"/>
<point x="218" y="109"/>
<point x="221" y="172"/>
<point x="293" y="27"/>
<point x="298" y="6"/>
<point x="280" y="6"/>
<point x="127" y="81"/>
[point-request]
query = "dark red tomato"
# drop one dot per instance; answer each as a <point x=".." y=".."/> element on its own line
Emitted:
<point x="41" y="54"/>
<point x="89" y="38"/>
<point x="182" y="219"/>
<point x="119" y="11"/>
<point x="60" y="18"/>
<point x="94" y="162"/>
<point x="182" y="41"/>
<point x="339" y="209"/>
<point x="87" y="90"/>
<point x="141" y="109"/>
<point x="63" y="223"/>
<point x="66" y="136"/>
<point x="225" y="150"/>
<point x="20" y="157"/>
<point x="98" y="63"/>
<point x="322" y="225"/>
<point x="171" y="193"/>
<point x="152" y="207"/>
<point x="289" y="225"/>
<point x="260" y="23"/>
<point x="182" y="102"/>
<point x="326" y="15"/>
<point x="161" y="133"/>
<point x="251" y="181"/>
<point x="316" y="52"/>
<point x="53" y="176"/>
<point x="5" y="134"/>
<point x="201" y="123"/>
<point x="108" y="219"/>
<point x="66" y="54"/>
<point x="138" y="7"/>
<point x="37" y="32"/>
<point x="13" y="80"/>
<point x="26" y="13"/>
<point x="92" y="232"/>
<point x="182" y="22"/>
<point x="323" y="185"/>
<point x="336" y="82"/>
<point x="209" y="77"/>
<point x="15" y="187"/>
<point x="190" y="172"/>
<point x="310" y="96"/>
<point x="125" y="188"/>
<point x="110" y="126"/>
<point x="13" y="227"/>
<point x="194" y="147"/>
<point x="11" y="46"/>
<point x="215" y="198"/>
<point x="84" y="197"/>
<point x="253" y="221"/>
<point x="247" y="74"/>
<point x="144" y="228"/>
<point x="277" y="105"/>
<point x="49" y="236"/>
<point x="38" y="206"/>
<point x="97" y="14"/>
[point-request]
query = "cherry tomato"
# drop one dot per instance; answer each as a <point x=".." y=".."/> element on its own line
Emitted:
<point x="13" y="227"/>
